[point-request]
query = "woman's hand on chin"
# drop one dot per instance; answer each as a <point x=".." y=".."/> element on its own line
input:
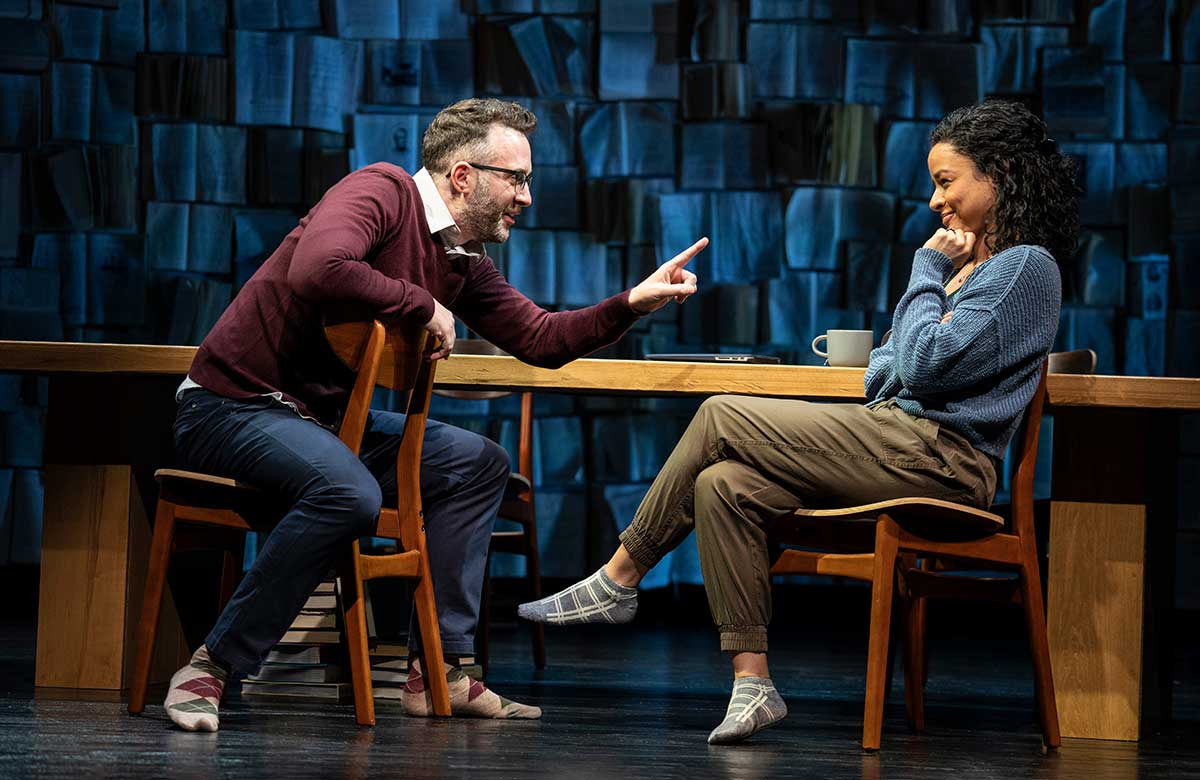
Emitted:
<point x="957" y="245"/>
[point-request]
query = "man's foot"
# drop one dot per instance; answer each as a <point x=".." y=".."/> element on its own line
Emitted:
<point x="468" y="697"/>
<point x="595" y="600"/>
<point x="754" y="705"/>
<point x="195" y="693"/>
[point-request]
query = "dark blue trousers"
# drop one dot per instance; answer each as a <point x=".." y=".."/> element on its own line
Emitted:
<point x="335" y="498"/>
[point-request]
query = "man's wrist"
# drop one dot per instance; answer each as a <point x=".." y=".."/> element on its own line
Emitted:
<point x="635" y="305"/>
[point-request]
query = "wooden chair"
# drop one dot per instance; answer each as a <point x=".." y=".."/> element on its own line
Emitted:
<point x="518" y="506"/>
<point x="1077" y="361"/>
<point x="393" y="357"/>
<point x="907" y="528"/>
<point x="921" y="586"/>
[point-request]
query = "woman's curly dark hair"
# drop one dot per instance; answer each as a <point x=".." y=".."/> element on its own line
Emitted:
<point x="1035" y="183"/>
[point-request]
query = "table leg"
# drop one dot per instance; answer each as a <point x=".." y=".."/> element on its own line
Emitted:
<point x="1104" y="607"/>
<point x="105" y="434"/>
<point x="95" y="543"/>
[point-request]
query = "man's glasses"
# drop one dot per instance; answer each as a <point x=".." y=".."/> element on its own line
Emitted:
<point x="519" y="178"/>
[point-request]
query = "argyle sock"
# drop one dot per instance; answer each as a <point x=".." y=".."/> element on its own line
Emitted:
<point x="195" y="693"/>
<point x="596" y="599"/>
<point x="468" y="697"/>
<point x="754" y="705"/>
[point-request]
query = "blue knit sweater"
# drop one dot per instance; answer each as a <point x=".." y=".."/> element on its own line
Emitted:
<point x="976" y="373"/>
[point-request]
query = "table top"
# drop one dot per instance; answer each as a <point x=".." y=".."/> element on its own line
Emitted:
<point x="601" y="376"/>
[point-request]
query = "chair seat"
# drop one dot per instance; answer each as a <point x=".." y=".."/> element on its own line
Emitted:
<point x="515" y="542"/>
<point x="931" y="518"/>
<point x="518" y="485"/>
<point x="981" y="585"/>
<point x="516" y="505"/>
<point x="206" y="490"/>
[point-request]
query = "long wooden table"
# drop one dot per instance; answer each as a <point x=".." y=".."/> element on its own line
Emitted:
<point x="1111" y="532"/>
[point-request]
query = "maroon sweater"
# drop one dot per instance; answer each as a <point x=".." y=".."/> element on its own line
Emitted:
<point x="363" y="252"/>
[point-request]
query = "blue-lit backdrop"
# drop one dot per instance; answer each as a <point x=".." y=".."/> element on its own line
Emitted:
<point x="153" y="152"/>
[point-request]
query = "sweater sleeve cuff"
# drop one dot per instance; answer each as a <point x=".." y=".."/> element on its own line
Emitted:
<point x="932" y="265"/>
<point x="616" y="312"/>
<point x="423" y="305"/>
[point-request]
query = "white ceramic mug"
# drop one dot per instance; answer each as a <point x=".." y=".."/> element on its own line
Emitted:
<point x="846" y="347"/>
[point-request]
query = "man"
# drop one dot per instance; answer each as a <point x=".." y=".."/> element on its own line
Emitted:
<point x="265" y="391"/>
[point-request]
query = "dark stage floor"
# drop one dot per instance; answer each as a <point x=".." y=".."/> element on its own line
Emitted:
<point x="626" y="704"/>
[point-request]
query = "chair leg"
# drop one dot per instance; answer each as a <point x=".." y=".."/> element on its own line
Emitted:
<point x="914" y="663"/>
<point x="896" y="622"/>
<point x="156" y="583"/>
<point x="534" y="576"/>
<point x="231" y="570"/>
<point x="354" y="607"/>
<point x="887" y="535"/>
<point x="1039" y="645"/>
<point x="431" y="641"/>
<point x="483" y="638"/>
<point x="915" y="671"/>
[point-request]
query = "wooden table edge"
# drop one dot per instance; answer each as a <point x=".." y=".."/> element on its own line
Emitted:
<point x="609" y="376"/>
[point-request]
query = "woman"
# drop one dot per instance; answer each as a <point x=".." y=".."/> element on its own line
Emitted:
<point x="969" y="337"/>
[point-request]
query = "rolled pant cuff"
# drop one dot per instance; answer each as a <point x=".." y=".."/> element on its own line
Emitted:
<point x="644" y="553"/>
<point x="448" y="648"/>
<point x="744" y="639"/>
<point x="240" y="665"/>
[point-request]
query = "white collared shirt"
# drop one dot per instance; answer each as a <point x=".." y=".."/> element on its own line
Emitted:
<point x="441" y="224"/>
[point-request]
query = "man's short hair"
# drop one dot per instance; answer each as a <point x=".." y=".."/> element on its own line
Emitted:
<point x="465" y="126"/>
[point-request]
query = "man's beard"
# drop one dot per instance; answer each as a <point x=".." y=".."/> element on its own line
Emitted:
<point x="484" y="217"/>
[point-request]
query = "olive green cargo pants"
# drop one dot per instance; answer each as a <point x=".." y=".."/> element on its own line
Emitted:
<point x="745" y="462"/>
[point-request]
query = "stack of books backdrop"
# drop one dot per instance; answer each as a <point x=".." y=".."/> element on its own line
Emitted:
<point x="389" y="606"/>
<point x="154" y="154"/>
<point x="389" y="667"/>
<point x="308" y="662"/>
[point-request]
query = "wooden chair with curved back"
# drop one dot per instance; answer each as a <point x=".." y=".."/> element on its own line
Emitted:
<point x="982" y="586"/>
<point x="392" y="356"/>
<point x="517" y="506"/>
<point x="906" y="529"/>
<point x="1076" y="361"/>
<point x="947" y="578"/>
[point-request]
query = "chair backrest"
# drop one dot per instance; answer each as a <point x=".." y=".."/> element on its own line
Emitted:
<point x="1077" y="361"/>
<point x="393" y="356"/>
<point x="1026" y="453"/>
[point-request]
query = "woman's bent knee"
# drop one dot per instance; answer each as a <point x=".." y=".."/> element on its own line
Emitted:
<point x="719" y="413"/>
<point x="718" y="480"/>
<point x="717" y="406"/>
